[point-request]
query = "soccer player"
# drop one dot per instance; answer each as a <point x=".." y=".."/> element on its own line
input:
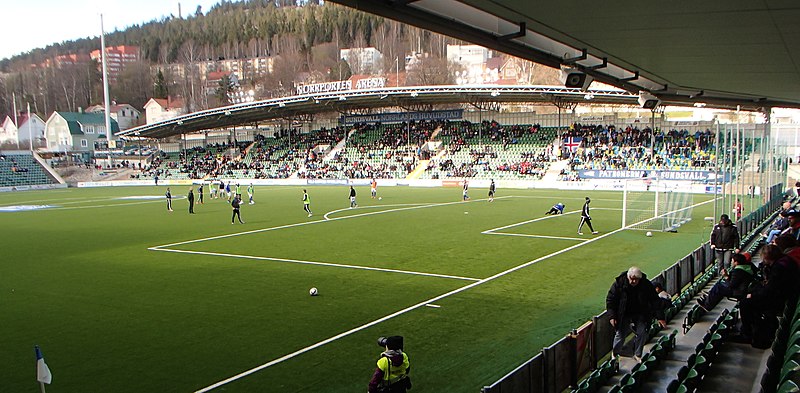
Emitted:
<point x="491" y="191"/>
<point x="190" y="197"/>
<point x="228" y="191"/>
<point x="238" y="191"/>
<point x="212" y="191"/>
<point x="235" y="204"/>
<point x="353" y="197"/>
<point x="558" y="208"/>
<point x="374" y="188"/>
<point x="586" y="218"/>
<point x="466" y="189"/>
<point x="169" y="199"/>
<point x="250" y="193"/>
<point x="306" y="203"/>
<point x="200" y="194"/>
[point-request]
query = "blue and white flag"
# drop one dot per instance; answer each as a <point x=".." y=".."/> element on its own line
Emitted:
<point x="573" y="143"/>
<point x="42" y="371"/>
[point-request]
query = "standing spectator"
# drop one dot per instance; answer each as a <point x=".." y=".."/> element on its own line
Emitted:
<point x="491" y="191"/>
<point x="168" y="194"/>
<point x="586" y="218"/>
<point x="235" y="204"/>
<point x="632" y="303"/>
<point x="724" y="241"/>
<point x="393" y="368"/>
<point x="190" y="197"/>
<point x="353" y="197"/>
<point x="306" y="203"/>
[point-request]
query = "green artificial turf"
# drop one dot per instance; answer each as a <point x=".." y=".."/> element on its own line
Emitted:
<point x="112" y="314"/>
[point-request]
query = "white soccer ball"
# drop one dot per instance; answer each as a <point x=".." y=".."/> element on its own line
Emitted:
<point x="379" y="198"/>
<point x="312" y="292"/>
<point x="649" y="234"/>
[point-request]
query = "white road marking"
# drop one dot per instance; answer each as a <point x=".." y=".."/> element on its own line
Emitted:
<point x="407" y="309"/>
<point x="219" y="254"/>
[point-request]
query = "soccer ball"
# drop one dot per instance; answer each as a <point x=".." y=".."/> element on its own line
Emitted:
<point x="379" y="198"/>
<point x="649" y="234"/>
<point x="312" y="292"/>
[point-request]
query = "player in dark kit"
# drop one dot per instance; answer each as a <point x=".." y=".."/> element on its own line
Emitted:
<point x="586" y="218"/>
<point x="200" y="194"/>
<point x="491" y="191"/>
<point x="558" y="208"/>
<point x="353" y="197"/>
<point x="235" y="204"/>
<point x="190" y="197"/>
<point x="169" y="199"/>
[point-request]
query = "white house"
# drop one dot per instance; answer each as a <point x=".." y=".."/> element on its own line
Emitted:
<point x="362" y="60"/>
<point x="29" y="127"/>
<point x="160" y="109"/>
<point x="125" y="114"/>
<point x="76" y="131"/>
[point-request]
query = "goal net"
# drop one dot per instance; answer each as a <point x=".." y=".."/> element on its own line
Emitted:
<point x="653" y="204"/>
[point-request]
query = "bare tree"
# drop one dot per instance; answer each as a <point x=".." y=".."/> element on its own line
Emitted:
<point x="430" y="70"/>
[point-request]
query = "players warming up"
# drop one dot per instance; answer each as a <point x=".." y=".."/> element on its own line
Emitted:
<point x="190" y="198"/>
<point x="306" y="203"/>
<point x="374" y="188"/>
<point x="558" y="208"/>
<point x="236" y="204"/>
<point x="250" y="193"/>
<point x="586" y="218"/>
<point x="464" y="195"/>
<point x="491" y="191"/>
<point x="200" y="194"/>
<point x="169" y="199"/>
<point x="212" y="191"/>
<point x="353" y="197"/>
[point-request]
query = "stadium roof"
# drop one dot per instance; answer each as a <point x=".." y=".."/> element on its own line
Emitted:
<point x="719" y="52"/>
<point x="411" y="98"/>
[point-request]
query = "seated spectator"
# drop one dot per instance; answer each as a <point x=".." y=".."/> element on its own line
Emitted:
<point x="734" y="284"/>
<point x="778" y="226"/>
<point x="760" y="308"/>
<point x="664" y="298"/>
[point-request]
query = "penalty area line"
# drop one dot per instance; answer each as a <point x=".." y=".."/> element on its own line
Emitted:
<point x="357" y="267"/>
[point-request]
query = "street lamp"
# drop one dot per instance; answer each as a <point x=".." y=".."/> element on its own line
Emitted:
<point x="397" y="71"/>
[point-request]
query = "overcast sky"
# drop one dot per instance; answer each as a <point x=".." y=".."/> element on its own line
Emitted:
<point x="30" y="24"/>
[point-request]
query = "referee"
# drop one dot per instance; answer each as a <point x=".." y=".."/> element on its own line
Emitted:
<point x="586" y="218"/>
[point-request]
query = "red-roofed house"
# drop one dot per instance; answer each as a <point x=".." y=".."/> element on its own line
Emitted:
<point x="160" y="109"/>
<point x="25" y="129"/>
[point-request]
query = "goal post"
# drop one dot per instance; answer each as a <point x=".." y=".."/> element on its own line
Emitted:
<point x="650" y="203"/>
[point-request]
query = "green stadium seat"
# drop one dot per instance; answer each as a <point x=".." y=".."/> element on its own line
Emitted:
<point x="789" y="387"/>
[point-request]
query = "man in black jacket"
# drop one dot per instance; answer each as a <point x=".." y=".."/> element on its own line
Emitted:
<point x="734" y="283"/>
<point x="632" y="303"/>
<point x="725" y="241"/>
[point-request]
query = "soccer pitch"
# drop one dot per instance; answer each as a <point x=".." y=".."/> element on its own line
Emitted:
<point x="124" y="296"/>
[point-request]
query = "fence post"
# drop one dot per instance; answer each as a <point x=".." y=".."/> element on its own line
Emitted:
<point x="573" y="358"/>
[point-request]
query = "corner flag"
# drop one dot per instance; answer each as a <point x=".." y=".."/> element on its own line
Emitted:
<point x="42" y="371"/>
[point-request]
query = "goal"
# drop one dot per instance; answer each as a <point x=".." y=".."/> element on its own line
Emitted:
<point x="649" y="203"/>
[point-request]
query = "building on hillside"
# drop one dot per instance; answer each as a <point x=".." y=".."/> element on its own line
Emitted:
<point x="362" y="60"/>
<point x="29" y="127"/>
<point x="478" y="64"/>
<point x="78" y="132"/>
<point x="116" y="59"/>
<point x="160" y="109"/>
<point x="125" y="114"/>
<point x="66" y="60"/>
<point x="213" y="79"/>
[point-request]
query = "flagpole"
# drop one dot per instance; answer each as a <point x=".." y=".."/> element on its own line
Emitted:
<point x="30" y="132"/>
<point x="16" y="124"/>
<point x="105" y="89"/>
<point x="41" y="384"/>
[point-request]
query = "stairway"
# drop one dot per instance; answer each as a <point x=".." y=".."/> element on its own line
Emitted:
<point x="554" y="170"/>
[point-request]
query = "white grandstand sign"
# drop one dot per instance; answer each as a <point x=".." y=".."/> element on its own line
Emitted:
<point x="327" y="87"/>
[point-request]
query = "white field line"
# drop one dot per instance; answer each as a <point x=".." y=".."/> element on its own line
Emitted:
<point x="370" y="207"/>
<point x="405" y="310"/>
<point x="219" y="254"/>
<point x="536" y="236"/>
<point x="489" y="231"/>
<point x="39" y="200"/>
<point x="111" y="205"/>
<point x="313" y="222"/>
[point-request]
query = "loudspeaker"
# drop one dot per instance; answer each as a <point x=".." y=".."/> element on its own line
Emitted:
<point x="575" y="79"/>
<point x="648" y="101"/>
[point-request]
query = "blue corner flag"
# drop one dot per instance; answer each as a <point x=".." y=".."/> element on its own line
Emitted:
<point x="42" y="371"/>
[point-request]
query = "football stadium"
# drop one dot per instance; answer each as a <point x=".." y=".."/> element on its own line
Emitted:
<point x="483" y="231"/>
